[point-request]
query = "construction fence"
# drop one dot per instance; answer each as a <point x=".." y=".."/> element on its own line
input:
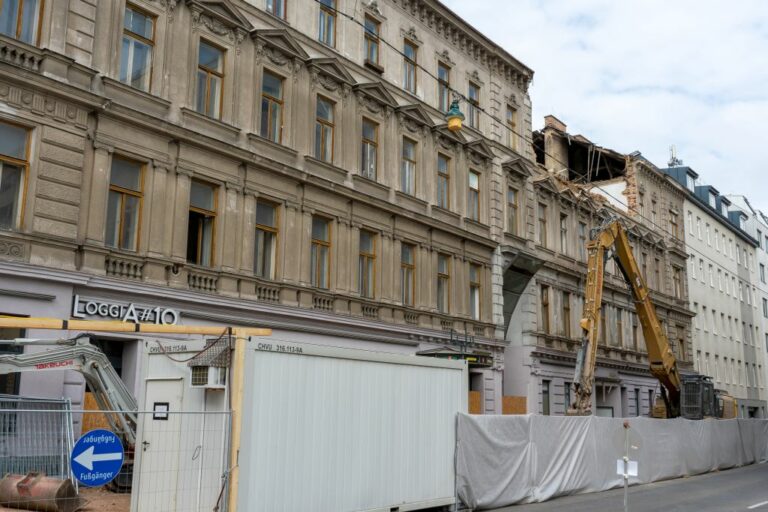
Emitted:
<point x="505" y="460"/>
<point x="178" y="464"/>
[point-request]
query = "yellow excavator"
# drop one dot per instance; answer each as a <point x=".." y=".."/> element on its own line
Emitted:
<point x="693" y="396"/>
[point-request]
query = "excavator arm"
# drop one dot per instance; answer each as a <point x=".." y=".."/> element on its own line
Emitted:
<point x="612" y="241"/>
<point x="80" y="355"/>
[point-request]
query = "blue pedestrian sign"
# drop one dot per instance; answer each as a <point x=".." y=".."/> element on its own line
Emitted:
<point x="97" y="458"/>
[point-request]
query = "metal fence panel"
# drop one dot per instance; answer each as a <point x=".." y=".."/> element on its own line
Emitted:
<point x="179" y="464"/>
<point x="35" y="436"/>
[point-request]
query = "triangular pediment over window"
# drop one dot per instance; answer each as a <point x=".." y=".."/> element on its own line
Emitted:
<point x="516" y="166"/>
<point x="222" y="13"/>
<point x="480" y="148"/>
<point x="416" y="113"/>
<point x="378" y="93"/>
<point x="282" y="41"/>
<point x="330" y="68"/>
<point x="446" y="137"/>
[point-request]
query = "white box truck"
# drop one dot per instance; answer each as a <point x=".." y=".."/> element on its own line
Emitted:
<point x="330" y="429"/>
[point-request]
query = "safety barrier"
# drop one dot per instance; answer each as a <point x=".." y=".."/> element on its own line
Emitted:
<point x="504" y="460"/>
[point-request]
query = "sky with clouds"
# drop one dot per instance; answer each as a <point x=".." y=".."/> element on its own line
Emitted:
<point x="643" y="75"/>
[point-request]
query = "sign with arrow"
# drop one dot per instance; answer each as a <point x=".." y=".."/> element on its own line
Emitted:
<point x="97" y="458"/>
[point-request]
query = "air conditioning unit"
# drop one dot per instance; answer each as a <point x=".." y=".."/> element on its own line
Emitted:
<point x="209" y="377"/>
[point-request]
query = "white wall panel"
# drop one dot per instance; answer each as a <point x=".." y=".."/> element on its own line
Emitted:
<point x="335" y="430"/>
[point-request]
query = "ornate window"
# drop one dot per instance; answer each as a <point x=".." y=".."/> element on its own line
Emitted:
<point x="410" y="53"/>
<point x="372" y="31"/>
<point x="475" y="273"/>
<point x="202" y="223"/>
<point x="327" y="23"/>
<point x="443" y="86"/>
<point x="210" y="79"/>
<point x="369" y="149"/>
<point x="272" y="107"/>
<point x="13" y="173"/>
<point x="136" y="52"/>
<point x="324" y="130"/>
<point x="265" y="254"/>
<point x="443" y="182"/>
<point x="407" y="273"/>
<point x="367" y="260"/>
<point x="124" y="204"/>
<point x="513" y="210"/>
<point x="473" y="199"/>
<point x="443" y="283"/>
<point x="321" y="251"/>
<point x="276" y="8"/>
<point x="474" y="105"/>
<point x="20" y="19"/>
<point x="408" y="167"/>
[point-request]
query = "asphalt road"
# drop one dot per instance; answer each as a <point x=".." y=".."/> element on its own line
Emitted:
<point x="742" y="489"/>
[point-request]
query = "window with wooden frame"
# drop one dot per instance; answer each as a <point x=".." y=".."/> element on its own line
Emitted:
<point x="372" y="30"/>
<point x="673" y="225"/>
<point x="326" y="32"/>
<point x="408" y="167"/>
<point x="545" y="399"/>
<point x="544" y="308"/>
<point x="475" y="286"/>
<point x="202" y="223"/>
<point x="320" y="257"/>
<point x="619" y="327"/>
<point x="20" y="19"/>
<point x="443" y="283"/>
<point x="272" y="107"/>
<point x="582" y="241"/>
<point x="410" y="59"/>
<point x="369" y="146"/>
<point x="276" y="8"/>
<point x="324" y="130"/>
<point x="443" y="181"/>
<point x="210" y="79"/>
<point x="513" y="210"/>
<point x="542" y="214"/>
<point x="138" y="45"/>
<point x="367" y="264"/>
<point x="443" y="87"/>
<point x="474" y="105"/>
<point x="635" y="335"/>
<point x="14" y="163"/>
<point x="511" y="120"/>
<point x="564" y="233"/>
<point x="265" y="252"/>
<point x="407" y="273"/>
<point x="473" y="198"/>
<point x="566" y="316"/>
<point x="124" y="204"/>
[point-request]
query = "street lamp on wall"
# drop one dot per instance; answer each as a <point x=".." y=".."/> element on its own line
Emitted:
<point x="454" y="116"/>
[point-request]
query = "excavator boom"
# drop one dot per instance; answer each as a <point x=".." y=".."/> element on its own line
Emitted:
<point x="80" y="355"/>
<point x="611" y="240"/>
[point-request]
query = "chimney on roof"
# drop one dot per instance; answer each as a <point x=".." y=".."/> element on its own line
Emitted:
<point x="551" y="121"/>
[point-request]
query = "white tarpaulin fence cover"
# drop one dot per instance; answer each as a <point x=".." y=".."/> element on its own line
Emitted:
<point x="503" y="460"/>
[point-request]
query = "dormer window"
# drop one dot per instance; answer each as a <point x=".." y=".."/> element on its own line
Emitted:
<point x="724" y="209"/>
<point x="690" y="182"/>
<point x="712" y="200"/>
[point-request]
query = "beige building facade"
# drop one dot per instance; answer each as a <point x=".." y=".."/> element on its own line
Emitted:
<point x="575" y="188"/>
<point x="267" y="163"/>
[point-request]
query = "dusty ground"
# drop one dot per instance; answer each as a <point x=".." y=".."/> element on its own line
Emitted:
<point x="102" y="500"/>
<point x="98" y="500"/>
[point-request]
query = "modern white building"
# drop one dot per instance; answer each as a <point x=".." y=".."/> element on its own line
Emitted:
<point x="722" y="281"/>
<point x="757" y="227"/>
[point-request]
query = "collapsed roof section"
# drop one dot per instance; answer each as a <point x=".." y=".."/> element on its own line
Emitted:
<point x="574" y="157"/>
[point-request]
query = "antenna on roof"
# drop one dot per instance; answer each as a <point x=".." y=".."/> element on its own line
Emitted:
<point x="673" y="160"/>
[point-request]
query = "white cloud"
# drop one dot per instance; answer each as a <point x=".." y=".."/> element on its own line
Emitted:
<point x="646" y="74"/>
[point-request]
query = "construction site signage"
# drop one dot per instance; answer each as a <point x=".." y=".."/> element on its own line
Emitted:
<point x="97" y="458"/>
<point x="125" y="312"/>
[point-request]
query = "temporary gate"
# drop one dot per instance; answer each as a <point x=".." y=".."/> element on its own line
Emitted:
<point x="331" y="429"/>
